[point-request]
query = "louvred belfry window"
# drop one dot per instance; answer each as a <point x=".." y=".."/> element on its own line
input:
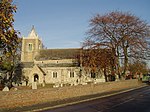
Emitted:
<point x="30" y="47"/>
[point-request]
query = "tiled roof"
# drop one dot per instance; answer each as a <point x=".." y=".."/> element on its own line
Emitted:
<point x="52" y="54"/>
<point x="59" y="65"/>
<point x="27" y="64"/>
<point x="41" y="70"/>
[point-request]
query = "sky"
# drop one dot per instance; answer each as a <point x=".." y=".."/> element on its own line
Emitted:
<point x="64" y="23"/>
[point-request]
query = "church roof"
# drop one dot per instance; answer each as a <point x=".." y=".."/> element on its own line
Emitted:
<point x="41" y="70"/>
<point x="27" y="64"/>
<point x="54" y="54"/>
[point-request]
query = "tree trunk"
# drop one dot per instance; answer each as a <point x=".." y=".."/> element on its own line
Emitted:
<point x="113" y="61"/>
<point x="118" y="64"/>
<point x="125" y="60"/>
<point x="105" y="74"/>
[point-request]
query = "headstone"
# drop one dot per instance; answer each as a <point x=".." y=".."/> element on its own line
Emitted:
<point x="84" y="83"/>
<point x="5" y="88"/>
<point x="57" y="85"/>
<point x="15" y="89"/>
<point x="43" y="84"/>
<point x="95" y="82"/>
<point x="75" y="83"/>
<point x="34" y="85"/>
<point x="24" y="84"/>
<point x="61" y="85"/>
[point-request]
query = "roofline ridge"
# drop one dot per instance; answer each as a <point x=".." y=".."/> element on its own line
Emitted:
<point x="60" y="48"/>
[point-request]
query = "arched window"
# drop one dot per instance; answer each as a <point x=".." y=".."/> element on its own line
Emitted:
<point x="71" y="74"/>
<point x="30" y="47"/>
<point x="54" y="74"/>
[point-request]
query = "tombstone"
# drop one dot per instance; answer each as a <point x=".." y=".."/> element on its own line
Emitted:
<point x="15" y="89"/>
<point x="95" y="82"/>
<point x="75" y="83"/>
<point x="61" y="85"/>
<point x="43" y="84"/>
<point x="24" y="84"/>
<point x="57" y="85"/>
<point x="84" y="83"/>
<point x="5" y="88"/>
<point x="34" y="85"/>
<point x="117" y="78"/>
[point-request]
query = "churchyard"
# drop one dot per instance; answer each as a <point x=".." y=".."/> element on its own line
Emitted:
<point x="21" y="96"/>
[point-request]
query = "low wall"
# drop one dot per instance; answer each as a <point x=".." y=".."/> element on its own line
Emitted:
<point x="28" y="97"/>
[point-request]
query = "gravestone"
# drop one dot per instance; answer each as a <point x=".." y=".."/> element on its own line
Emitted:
<point x="61" y="85"/>
<point x="75" y="83"/>
<point x="34" y="85"/>
<point x="43" y="84"/>
<point x="5" y="88"/>
<point x="15" y="89"/>
<point x="56" y="85"/>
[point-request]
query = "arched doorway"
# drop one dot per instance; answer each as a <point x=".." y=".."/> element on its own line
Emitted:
<point x="36" y="77"/>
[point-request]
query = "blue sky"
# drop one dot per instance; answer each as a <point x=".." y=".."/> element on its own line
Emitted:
<point x="63" y="23"/>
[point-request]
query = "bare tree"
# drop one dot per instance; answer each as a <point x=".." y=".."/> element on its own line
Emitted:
<point x="123" y="33"/>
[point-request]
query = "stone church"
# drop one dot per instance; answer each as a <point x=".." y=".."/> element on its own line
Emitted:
<point x="53" y="66"/>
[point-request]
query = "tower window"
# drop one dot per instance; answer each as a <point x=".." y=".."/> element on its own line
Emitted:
<point x="30" y="47"/>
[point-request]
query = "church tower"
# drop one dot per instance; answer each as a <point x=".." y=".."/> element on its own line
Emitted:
<point x="30" y="46"/>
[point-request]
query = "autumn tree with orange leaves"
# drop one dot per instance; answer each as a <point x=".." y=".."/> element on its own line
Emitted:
<point x="138" y="67"/>
<point x="96" y="60"/>
<point x="123" y="34"/>
<point x="9" y="41"/>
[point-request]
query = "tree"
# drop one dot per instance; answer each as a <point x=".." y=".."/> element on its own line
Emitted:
<point x="9" y="39"/>
<point x="96" y="60"/>
<point x="138" y="67"/>
<point x="123" y="33"/>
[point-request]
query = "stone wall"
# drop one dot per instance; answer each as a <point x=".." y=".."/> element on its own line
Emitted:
<point x="28" y="97"/>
